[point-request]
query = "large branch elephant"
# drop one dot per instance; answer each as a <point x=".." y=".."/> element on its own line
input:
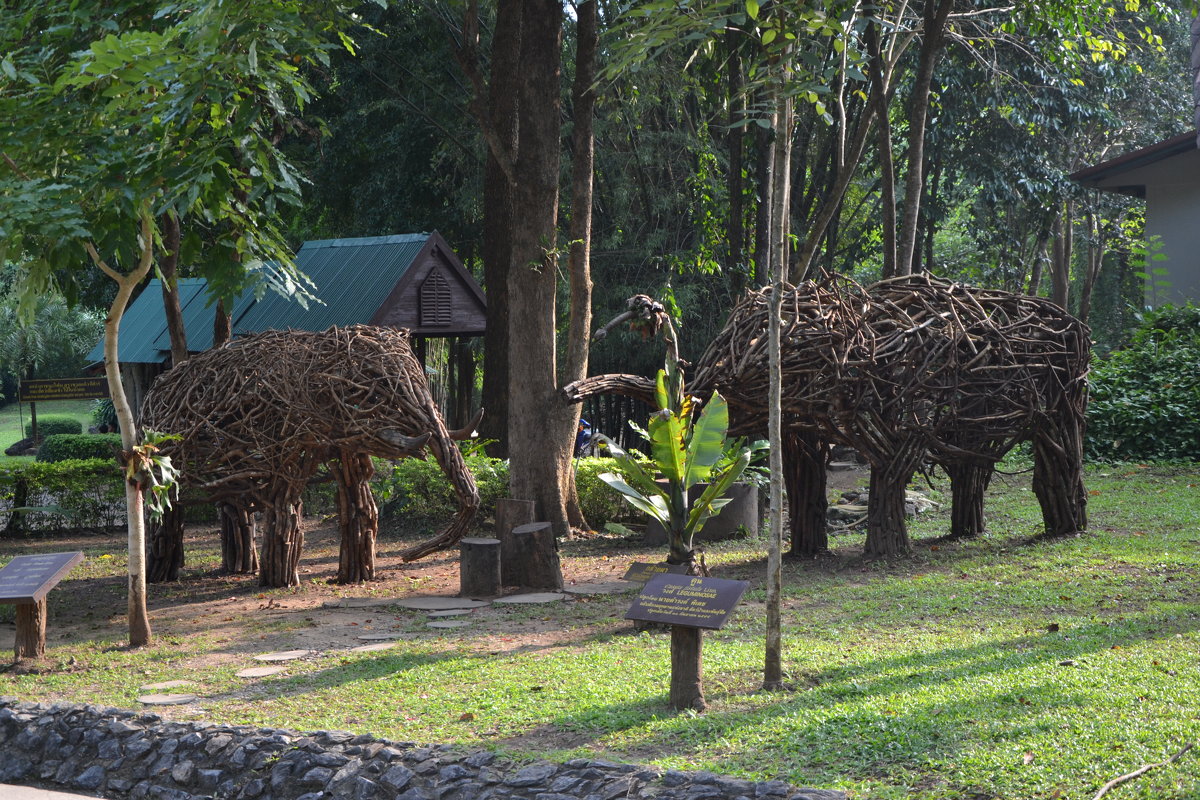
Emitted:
<point x="906" y="370"/>
<point x="258" y="417"/>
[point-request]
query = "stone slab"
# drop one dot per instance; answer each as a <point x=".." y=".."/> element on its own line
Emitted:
<point x="260" y="672"/>
<point x="381" y="636"/>
<point x="167" y="699"/>
<point x="534" y="597"/>
<point x="358" y="602"/>
<point x="158" y="687"/>
<point x="284" y="655"/>
<point x="448" y="623"/>
<point x="610" y="587"/>
<point x="371" y="648"/>
<point x="451" y="612"/>
<point x="440" y="603"/>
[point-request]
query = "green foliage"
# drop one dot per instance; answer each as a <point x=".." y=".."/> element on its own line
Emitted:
<point x="685" y="450"/>
<point x="67" y="446"/>
<point x="63" y="495"/>
<point x="1145" y="399"/>
<point x="54" y="424"/>
<point x="104" y="416"/>
<point x="53" y="343"/>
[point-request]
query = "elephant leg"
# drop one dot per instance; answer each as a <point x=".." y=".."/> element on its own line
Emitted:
<point x="887" y="531"/>
<point x="358" y="518"/>
<point x="805" y="460"/>
<point x="164" y="546"/>
<point x="238" y="553"/>
<point x="1058" y="477"/>
<point x="968" y="483"/>
<point x="283" y="539"/>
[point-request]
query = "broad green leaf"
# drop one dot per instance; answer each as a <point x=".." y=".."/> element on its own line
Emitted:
<point x="667" y="447"/>
<point x="655" y="506"/>
<point x="707" y="442"/>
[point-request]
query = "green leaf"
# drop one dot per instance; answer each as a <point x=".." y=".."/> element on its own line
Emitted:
<point x="655" y="506"/>
<point x="707" y="442"/>
<point x="752" y="9"/>
<point x="667" y="445"/>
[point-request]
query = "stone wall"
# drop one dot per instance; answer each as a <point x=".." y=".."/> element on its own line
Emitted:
<point x="124" y="754"/>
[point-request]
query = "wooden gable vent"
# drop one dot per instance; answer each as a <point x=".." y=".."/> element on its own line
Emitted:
<point x="435" y="300"/>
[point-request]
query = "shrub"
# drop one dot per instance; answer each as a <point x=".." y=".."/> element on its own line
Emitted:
<point x="54" y="424"/>
<point x="104" y="415"/>
<point x="1145" y="399"/>
<point x="59" y="496"/>
<point x="62" y="447"/>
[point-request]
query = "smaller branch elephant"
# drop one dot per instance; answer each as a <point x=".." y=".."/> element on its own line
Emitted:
<point x="257" y="418"/>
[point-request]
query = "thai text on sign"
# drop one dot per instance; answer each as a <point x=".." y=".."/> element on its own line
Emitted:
<point x="686" y="600"/>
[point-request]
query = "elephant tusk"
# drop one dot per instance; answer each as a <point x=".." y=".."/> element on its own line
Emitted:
<point x="466" y="432"/>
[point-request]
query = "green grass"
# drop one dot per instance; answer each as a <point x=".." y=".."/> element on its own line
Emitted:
<point x="999" y="668"/>
<point x="14" y="416"/>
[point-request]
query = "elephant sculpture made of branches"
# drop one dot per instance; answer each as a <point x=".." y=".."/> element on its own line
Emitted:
<point x="258" y="417"/>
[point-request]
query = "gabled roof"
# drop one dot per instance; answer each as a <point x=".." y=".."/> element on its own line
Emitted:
<point x="1120" y="174"/>
<point x="366" y="280"/>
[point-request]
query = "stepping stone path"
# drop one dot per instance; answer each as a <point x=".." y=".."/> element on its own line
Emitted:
<point x="378" y="637"/>
<point x="158" y="687"/>
<point x="358" y="602"/>
<point x="533" y="597"/>
<point x="371" y="648"/>
<point x="167" y="699"/>
<point x="440" y="603"/>
<point x="260" y="672"/>
<point x="451" y="612"/>
<point x="286" y="655"/>
<point x="611" y="587"/>
<point x="449" y="623"/>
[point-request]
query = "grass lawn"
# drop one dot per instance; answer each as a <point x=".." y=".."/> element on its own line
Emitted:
<point x="999" y="668"/>
<point x="15" y="416"/>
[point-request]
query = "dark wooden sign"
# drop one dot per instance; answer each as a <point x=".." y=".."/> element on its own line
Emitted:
<point x="36" y="391"/>
<point x="28" y="579"/>
<point x="688" y="601"/>
<point x="640" y="571"/>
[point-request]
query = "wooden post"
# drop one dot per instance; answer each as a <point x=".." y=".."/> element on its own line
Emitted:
<point x="31" y="630"/>
<point x="687" y="660"/>
<point x="479" y="567"/>
<point x="510" y="513"/>
<point x="535" y="561"/>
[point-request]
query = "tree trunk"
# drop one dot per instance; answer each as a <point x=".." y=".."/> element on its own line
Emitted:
<point x="687" y="664"/>
<point x="932" y="31"/>
<point x="166" y="547"/>
<point x="464" y="373"/>
<point x="805" y="461"/>
<point x="239" y="555"/>
<point x="887" y="171"/>
<point x="501" y="120"/>
<point x="283" y="540"/>
<point x="762" y="213"/>
<point x="168" y="265"/>
<point x="735" y="230"/>
<point x="31" y="630"/>
<point x="540" y="425"/>
<point x="887" y="533"/>
<point x="1060" y="265"/>
<point x="358" y="517"/>
<point x="968" y="483"/>
<point x="535" y="557"/>
<point x="583" y="142"/>
<point x="139" y="617"/>
<point x="222" y="324"/>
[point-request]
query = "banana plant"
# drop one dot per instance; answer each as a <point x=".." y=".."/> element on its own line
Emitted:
<point x="688" y="446"/>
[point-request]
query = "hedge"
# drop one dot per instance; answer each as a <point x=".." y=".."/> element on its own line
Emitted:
<point x="51" y="424"/>
<point x="77" y="447"/>
<point x="41" y="497"/>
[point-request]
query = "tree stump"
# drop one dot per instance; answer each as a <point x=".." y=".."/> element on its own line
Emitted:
<point x="479" y="567"/>
<point x="238" y="553"/>
<point x="535" y="557"/>
<point x="510" y="513"/>
<point x="31" y="630"/>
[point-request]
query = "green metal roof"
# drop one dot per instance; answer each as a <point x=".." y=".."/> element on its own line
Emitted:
<point x="352" y="276"/>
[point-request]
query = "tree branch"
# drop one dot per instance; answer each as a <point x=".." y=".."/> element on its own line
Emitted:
<point x="1137" y="773"/>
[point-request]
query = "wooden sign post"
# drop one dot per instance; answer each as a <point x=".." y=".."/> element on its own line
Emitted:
<point x="690" y="605"/>
<point x="24" y="582"/>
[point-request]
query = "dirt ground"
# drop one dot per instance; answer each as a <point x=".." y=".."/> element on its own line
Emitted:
<point x="242" y="618"/>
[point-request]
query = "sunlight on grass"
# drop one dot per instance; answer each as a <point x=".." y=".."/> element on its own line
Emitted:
<point x="1004" y="667"/>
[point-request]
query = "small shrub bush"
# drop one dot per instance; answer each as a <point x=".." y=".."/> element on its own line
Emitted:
<point x="53" y="425"/>
<point x="63" y="495"/>
<point x="63" y="447"/>
<point x="1145" y="399"/>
